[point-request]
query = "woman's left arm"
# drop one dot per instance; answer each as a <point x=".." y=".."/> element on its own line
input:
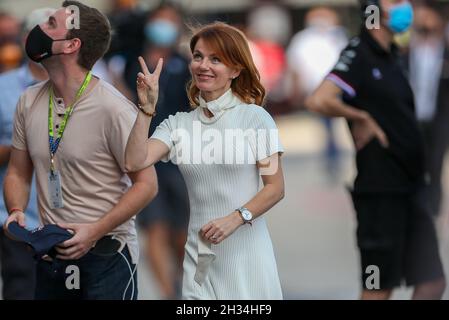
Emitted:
<point x="273" y="191"/>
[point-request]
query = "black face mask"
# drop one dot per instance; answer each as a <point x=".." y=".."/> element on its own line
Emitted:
<point x="38" y="45"/>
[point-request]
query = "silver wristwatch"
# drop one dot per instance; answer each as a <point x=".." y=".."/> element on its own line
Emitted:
<point x="246" y="215"/>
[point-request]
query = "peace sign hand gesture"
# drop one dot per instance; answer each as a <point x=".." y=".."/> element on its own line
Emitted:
<point x="148" y="85"/>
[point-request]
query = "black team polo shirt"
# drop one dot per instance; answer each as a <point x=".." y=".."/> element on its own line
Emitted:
<point x="372" y="80"/>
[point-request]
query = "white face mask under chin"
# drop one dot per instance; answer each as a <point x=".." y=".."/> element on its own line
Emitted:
<point x="219" y="106"/>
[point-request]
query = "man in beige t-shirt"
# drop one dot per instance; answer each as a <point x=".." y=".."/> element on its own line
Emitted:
<point x="85" y="188"/>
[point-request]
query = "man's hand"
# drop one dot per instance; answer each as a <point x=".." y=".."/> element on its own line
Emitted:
<point x="366" y="129"/>
<point x="219" y="229"/>
<point x="17" y="216"/>
<point x="86" y="234"/>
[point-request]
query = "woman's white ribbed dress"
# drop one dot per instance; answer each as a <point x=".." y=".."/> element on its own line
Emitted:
<point x="243" y="266"/>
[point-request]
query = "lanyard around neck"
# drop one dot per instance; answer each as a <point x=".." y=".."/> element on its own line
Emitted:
<point x="54" y="143"/>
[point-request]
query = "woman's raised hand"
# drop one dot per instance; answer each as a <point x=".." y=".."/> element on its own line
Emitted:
<point x="148" y="85"/>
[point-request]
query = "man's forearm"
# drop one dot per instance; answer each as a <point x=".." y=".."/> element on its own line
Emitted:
<point x="334" y="107"/>
<point x="137" y="197"/>
<point x="5" y="152"/>
<point x="16" y="192"/>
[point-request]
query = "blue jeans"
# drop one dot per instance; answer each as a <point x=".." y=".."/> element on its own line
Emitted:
<point x="96" y="276"/>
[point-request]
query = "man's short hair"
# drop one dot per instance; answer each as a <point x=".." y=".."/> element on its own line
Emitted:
<point x="94" y="32"/>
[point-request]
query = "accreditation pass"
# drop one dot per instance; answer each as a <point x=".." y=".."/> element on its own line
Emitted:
<point x="55" y="190"/>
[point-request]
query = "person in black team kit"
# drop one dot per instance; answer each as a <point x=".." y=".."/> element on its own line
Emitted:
<point x="367" y="86"/>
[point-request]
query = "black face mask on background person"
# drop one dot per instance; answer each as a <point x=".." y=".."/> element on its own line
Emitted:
<point x="39" y="45"/>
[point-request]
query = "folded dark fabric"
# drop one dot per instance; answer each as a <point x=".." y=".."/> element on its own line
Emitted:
<point x="42" y="240"/>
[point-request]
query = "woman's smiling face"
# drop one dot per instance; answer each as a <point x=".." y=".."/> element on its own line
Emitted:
<point x="212" y="77"/>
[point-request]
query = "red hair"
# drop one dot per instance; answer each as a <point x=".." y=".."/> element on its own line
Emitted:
<point x="231" y="46"/>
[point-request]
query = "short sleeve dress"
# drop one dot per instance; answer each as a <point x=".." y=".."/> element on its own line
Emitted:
<point x="217" y="157"/>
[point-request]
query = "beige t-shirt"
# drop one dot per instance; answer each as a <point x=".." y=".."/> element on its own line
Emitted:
<point x="90" y="157"/>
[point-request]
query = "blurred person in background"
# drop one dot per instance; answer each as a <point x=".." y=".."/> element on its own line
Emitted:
<point x="428" y="63"/>
<point x="368" y="87"/>
<point x="312" y="53"/>
<point x="268" y="30"/>
<point x="127" y="20"/>
<point x="165" y="219"/>
<point x="17" y="263"/>
<point x="11" y="53"/>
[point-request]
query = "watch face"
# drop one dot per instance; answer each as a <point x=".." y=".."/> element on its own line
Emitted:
<point x="247" y="215"/>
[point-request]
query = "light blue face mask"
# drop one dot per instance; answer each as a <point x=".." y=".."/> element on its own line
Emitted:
<point x="161" y="33"/>
<point x="401" y="17"/>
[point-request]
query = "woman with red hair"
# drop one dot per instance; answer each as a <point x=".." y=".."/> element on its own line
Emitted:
<point x="222" y="147"/>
